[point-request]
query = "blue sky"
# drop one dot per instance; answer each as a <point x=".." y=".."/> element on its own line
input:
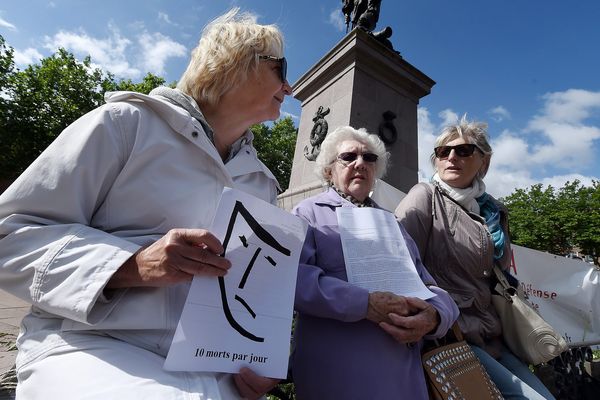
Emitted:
<point x="529" y="68"/>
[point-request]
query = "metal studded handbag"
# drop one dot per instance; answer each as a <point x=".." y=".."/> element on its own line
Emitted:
<point x="453" y="372"/>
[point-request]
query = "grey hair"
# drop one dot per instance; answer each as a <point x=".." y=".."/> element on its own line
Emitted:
<point x="474" y="132"/>
<point x="329" y="150"/>
<point x="227" y="51"/>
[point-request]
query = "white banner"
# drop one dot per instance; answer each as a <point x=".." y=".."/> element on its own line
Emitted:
<point x="566" y="292"/>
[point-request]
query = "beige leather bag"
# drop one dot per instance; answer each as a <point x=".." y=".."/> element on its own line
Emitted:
<point x="525" y="332"/>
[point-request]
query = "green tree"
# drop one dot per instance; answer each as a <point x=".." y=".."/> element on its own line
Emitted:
<point x="275" y="147"/>
<point x="7" y="66"/>
<point x="37" y="103"/>
<point x="41" y="101"/>
<point x="149" y="82"/>
<point x="556" y="220"/>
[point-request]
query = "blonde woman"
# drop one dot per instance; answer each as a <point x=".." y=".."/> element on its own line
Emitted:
<point x="103" y="233"/>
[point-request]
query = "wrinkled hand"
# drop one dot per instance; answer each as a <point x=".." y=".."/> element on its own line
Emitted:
<point x="410" y="329"/>
<point x="251" y="386"/>
<point x="174" y="258"/>
<point x="381" y="304"/>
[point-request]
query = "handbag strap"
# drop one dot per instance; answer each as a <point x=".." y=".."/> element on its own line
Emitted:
<point x="503" y="287"/>
<point x="500" y="277"/>
<point x="457" y="332"/>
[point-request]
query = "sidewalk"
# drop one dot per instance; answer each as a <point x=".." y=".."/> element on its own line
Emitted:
<point x="12" y="311"/>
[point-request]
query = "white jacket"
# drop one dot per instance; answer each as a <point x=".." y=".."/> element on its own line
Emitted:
<point x="116" y="179"/>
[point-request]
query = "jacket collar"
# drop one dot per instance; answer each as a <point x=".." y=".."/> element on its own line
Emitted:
<point x="331" y="198"/>
<point x="243" y="158"/>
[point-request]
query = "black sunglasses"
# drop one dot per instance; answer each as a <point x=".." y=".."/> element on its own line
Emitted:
<point x="349" y="157"/>
<point x="282" y="65"/>
<point x="461" y="150"/>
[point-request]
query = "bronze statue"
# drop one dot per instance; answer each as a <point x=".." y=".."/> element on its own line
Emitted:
<point x="365" y="14"/>
<point x="361" y="13"/>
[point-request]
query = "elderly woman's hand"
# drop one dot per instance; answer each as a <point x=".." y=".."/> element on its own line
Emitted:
<point x="174" y="258"/>
<point x="410" y="329"/>
<point x="252" y="386"/>
<point x="381" y="304"/>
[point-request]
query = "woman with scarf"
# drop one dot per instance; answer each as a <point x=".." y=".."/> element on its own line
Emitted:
<point x="350" y="343"/>
<point x="104" y="232"/>
<point x="461" y="232"/>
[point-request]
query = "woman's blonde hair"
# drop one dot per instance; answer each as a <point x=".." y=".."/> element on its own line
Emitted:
<point x="227" y="51"/>
<point x="329" y="150"/>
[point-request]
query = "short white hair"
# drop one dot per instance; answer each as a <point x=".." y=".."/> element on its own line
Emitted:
<point x="329" y="150"/>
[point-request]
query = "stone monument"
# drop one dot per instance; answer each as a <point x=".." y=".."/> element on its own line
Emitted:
<point x="364" y="83"/>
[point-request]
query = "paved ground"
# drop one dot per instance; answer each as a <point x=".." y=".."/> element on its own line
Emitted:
<point x="12" y="311"/>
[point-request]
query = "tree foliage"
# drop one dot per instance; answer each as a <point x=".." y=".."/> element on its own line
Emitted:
<point x="37" y="103"/>
<point x="275" y="147"/>
<point x="556" y="220"/>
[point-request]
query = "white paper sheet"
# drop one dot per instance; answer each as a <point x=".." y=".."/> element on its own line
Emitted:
<point x="375" y="253"/>
<point x="245" y="318"/>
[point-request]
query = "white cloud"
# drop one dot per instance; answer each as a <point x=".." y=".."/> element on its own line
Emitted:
<point x="336" y="18"/>
<point x="108" y="53"/>
<point x="164" y="17"/>
<point x="27" y="57"/>
<point x="117" y="53"/>
<point x="510" y="151"/>
<point x="4" y="23"/>
<point x="448" y="117"/>
<point x="500" y="181"/>
<point x="499" y="113"/>
<point x="571" y="106"/>
<point x="566" y="139"/>
<point x="427" y="135"/>
<point x="287" y="114"/>
<point x="156" y="50"/>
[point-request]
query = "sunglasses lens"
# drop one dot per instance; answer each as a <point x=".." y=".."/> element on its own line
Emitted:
<point x="442" y="151"/>
<point x="370" y="157"/>
<point x="348" y="157"/>
<point x="464" y="150"/>
<point x="461" y="150"/>
<point x="283" y="69"/>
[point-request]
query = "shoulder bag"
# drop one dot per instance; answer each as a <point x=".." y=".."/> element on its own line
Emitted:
<point x="524" y="330"/>
<point x="454" y="372"/>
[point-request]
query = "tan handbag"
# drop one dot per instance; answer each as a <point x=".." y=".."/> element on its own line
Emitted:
<point x="454" y="372"/>
<point x="525" y="332"/>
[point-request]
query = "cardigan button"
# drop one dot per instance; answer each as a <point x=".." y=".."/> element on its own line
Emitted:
<point x="486" y="273"/>
<point x="194" y="134"/>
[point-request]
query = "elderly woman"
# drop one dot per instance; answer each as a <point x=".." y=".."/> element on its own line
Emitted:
<point x="461" y="232"/>
<point x="103" y="233"/>
<point x="349" y="343"/>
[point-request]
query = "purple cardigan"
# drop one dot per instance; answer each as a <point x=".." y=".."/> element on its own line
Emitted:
<point x="338" y="354"/>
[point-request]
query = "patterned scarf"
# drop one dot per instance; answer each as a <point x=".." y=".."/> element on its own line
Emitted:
<point x="367" y="203"/>
<point x="491" y="212"/>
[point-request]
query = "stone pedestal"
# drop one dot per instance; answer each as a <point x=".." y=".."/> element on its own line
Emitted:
<point x="361" y="83"/>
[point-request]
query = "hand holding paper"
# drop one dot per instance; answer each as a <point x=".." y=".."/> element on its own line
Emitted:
<point x="243" y="318"/>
